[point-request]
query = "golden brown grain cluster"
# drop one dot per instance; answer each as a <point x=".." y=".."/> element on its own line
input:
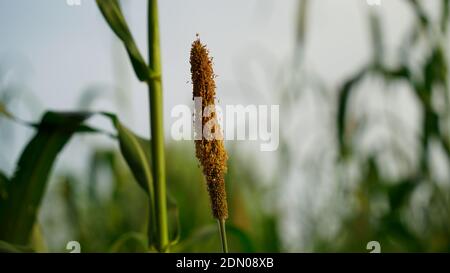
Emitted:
<point x="210" y="152"/>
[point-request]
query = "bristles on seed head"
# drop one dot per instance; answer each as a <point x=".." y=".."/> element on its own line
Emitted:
<point x="202" y="73"/>
<point x="210" y="153"/>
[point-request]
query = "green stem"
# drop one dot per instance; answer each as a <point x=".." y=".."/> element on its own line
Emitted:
<point x="157" y="128"/>
<point x="223" y="235"/>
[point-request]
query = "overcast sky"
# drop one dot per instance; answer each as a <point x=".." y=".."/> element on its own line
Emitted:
<point x="65" y="49"/>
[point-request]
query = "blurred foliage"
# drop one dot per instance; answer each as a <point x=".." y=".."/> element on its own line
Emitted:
<point x="398" y="227"/>
<point x="115" y="222"/>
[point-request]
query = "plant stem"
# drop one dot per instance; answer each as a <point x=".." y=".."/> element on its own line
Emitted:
<point x="157" y="128"/>
<point x="223" y="235"/>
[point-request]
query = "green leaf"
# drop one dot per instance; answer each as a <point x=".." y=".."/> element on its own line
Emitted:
<point x="132" y="242"/>
<point x="420" y="13"/>
<point x="445" y="9"/>
<point x="343" y="99"/>
<point x="37" y="240"/>
<point x="242" y="237"/>
<point x="174" y="219"/>
<point x="136" y="152"/>
<point x="3" y="186"/>
<point x="400" y="193"/>
<point x="99" y="159"/>
<point x="377" y="38"/>
<point x="27" y="186"/>
<point x="82" y="128"/>
<point x="6" y="247"/>
<point x="113" y="14"/>
<point x="435" y="70"/>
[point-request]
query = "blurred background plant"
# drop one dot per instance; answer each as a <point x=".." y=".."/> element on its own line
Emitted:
<point x="388" y="178"/>
<point x="366" y="159"/>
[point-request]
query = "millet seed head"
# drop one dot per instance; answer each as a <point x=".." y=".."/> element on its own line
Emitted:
<point x="210" y="153"/>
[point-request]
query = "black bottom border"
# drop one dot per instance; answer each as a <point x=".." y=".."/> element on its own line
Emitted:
<point x="206" y="262"/>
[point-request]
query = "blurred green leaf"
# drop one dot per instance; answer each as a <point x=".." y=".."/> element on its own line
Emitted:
<point x="398" y="233"/>
<point x="302" y="15"/>
<point x="174" y="219"/>
<point x="420" y="13"/>
<point x="99" y="159"/>
<point x="435" y="69"/>
<point x="3" y="186"/>
<point x="53" y="133"/>
<point x="343" y="99"/>
<point x="445" y="9"/>
<point x="136" y="152"/>
<point x="82" y="128"/>
<point x="113" y="14"/>
<point x="393" y="74"/>
<point x="6" y="247"/>
<point x="27" y="186"/>
<point x="38" y="242"/>
<point x="399" y="194"/>
<point x="132" y="242"/>
<point x="245" y="243"/>
<point x="377" y="38"/>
